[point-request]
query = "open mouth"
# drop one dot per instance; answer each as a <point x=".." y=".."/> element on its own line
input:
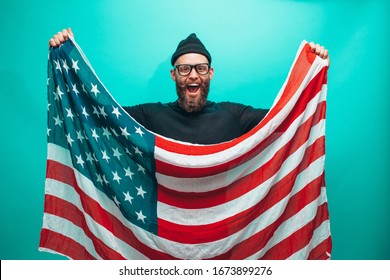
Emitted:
<point x="193" y="88"/>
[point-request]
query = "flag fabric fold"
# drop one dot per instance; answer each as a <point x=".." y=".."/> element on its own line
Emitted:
<point x="115" y="190"/>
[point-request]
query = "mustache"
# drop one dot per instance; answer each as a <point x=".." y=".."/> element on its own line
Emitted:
<point x="184" y="85"/>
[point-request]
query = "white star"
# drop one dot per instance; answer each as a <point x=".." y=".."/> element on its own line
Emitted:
<point x="83" y="87"/>
<point x="114" y="131"/>
<point x="106" y="132"/>
<point x="116" y="112"/>
<point x="58" y="121"/>
<point x="116" y="177"/>
<point x="75" y="66"/>
<point x="58" y="66"/>
<point x="128" y="197"/>
<point x="66" y="67"/>
<point x="139" y="131"/>
<point x="55" y="96"/>
<point x="137" y="151"/>
<point x="105" y="180"/>
<point x="85" y="112"/>
<point x="140" y="168"/>
<point x="128" y="152"/>
<point x="102" y="112"/>
<point x="59" y="92"/>
<point x="70" y="114"/>
<point x="99" y="178"/>
<point x="69" y="139"/>
<point x="95" y="111"/>
<point x="74" y="88"/>
<point x="105" y="156"/>
<point x="129" y="173"/>
<point x="116" y="201"/>
<point x="94" y="134"/>
<point x="80" y="161"/>
<point x="80" y="136"/>
<point x="117" y="153"/>
<point x="140" y="216"/>
<point x="140" y="191"/>
<point x="94" y="89"/>
<point x="89" y="157"/>
<point x="124" y="132"/>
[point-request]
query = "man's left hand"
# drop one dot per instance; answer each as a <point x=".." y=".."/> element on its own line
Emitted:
<point x="320" y="51"/>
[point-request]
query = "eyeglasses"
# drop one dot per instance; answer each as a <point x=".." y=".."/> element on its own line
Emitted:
<point x="185" y="69"/>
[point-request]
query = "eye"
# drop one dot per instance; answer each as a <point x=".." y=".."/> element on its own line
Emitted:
<point x="184" y="68"/>
<point x="202" y="68"/>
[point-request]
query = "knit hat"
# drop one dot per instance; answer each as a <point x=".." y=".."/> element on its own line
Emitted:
<point x="190" y="45"/>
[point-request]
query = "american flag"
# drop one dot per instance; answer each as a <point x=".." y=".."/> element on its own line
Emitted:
<point x="115" y="190"/>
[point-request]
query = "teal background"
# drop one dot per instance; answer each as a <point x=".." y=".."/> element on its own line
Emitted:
<point x="253" y="44"/>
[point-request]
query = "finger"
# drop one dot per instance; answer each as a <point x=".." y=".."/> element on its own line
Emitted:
<point x="60" y="37"/>
<point x="318" y="49"/>
<point x="56" y="40"/>
<point x="70" y="32"/>
<point x="322" y="52"/>
<point x="312" y="46"/>
<point x="52" y="43"/>
<point x="65" y="34"/>
<point x="326" y="54"/>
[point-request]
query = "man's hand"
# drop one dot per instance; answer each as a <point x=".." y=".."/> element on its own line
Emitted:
<point x="60" y="37"/>
<point x="320" y="51"/>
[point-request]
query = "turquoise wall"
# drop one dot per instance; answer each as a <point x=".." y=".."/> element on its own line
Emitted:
<point x="253" y="44"/>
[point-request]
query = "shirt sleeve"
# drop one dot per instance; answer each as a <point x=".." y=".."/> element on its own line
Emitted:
<point x="248" y="116"/>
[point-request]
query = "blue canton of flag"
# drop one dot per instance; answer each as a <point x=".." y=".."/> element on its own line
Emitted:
<point x="84" y="119"/>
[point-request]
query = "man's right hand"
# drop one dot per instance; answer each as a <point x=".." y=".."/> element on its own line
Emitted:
<point x="60" y="37"/>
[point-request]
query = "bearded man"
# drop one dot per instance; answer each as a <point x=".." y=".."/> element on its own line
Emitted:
<point x="192" y="117"/>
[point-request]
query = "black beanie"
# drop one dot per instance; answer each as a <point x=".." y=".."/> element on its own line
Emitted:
<point x="190" y="45"/>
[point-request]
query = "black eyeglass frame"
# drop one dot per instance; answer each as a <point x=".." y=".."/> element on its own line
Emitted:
<point x="193" y="66"/>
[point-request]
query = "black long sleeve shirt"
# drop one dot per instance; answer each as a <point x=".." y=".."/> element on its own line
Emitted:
<point x="216" y="123"/>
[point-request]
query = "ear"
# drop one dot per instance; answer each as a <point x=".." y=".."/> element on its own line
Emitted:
<point x="211" y="72"/>
<point x="173" y="74"/>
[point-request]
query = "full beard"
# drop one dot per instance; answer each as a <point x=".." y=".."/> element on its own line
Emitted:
<point x="192" y="105"/>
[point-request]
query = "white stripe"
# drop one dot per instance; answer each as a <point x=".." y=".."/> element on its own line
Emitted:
<point x="296" y="222"/>
<point x="320" y="234"/>
<point x="69" y="194"/>
<point x="68" y="229"/>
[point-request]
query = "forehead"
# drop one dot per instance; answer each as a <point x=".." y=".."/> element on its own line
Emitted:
<point x="191" y="58"/>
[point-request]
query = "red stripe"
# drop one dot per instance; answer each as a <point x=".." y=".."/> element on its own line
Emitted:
<point x="320" y="251"/>
<point x="249" y="182"/>
<point x="299" y="239"/>
<point x="63" y="245"/>
<point x="310" y="91"/>
<point x="221" y="229"/>
<point x="257" y="241"/>
<point x="65" y="174"/>
<point x="297" y="75"/>
<point x="68" y="211"/>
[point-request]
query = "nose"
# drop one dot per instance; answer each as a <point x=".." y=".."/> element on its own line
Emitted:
<point x="193" y="74"/>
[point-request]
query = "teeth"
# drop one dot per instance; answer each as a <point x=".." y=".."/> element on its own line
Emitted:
<point x="193" y="85"/>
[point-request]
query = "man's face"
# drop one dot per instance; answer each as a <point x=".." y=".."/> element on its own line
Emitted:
<point x="192" y="90"/>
